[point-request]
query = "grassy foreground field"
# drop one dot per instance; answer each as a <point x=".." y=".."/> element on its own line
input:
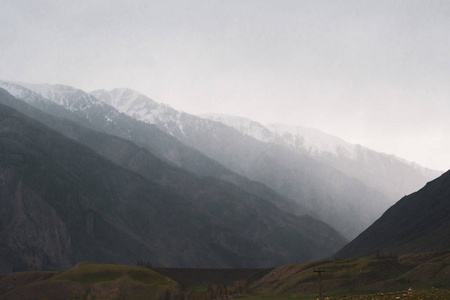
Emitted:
<point x="410" y="276"/>
<point x="439" y="294"/>
<point x="88" y="281"/>
<point x="416" y="276"/>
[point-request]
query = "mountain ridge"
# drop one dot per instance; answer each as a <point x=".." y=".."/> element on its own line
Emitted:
<point x="204" y="219"/>
<point x="278" y="167"/>
<point x="321" y="195"/>
<point x="417" y="222"/>
<point x="353" y="159"/>
<point x="167" y="148"/>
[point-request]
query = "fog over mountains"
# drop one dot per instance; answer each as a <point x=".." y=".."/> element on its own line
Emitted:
<point x="98" y="197"/>
<point x="390" y="174"/>
<point x="265" y="194"/>
<point x="347" y="186"/>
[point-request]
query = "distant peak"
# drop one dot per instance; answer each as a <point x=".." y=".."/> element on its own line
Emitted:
<point x="227" y="118"/>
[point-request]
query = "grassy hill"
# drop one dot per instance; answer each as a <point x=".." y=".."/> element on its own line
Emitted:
<point x="89" y="280"/>
<point x="356" y="276"/>
<point x="94" y="280"/>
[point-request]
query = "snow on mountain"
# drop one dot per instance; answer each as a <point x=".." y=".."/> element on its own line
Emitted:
<point x="66" y="96"/>
<point x="319" y="143"/>
<point x="302" y="139"/>
<point x="392" y="175"/>
<point x="306" y="140"/>
<point x="322" y="189"/>
<point x="55" y="99"/>
<point x="136" y="105"/>
<point x="314" y="141"/>
<point x="322" y="176"/>
<point x="62" y="95"/>
<point x="141" y="107"/>
<point x="245" y="126"/>
<point x="20" y="92"/>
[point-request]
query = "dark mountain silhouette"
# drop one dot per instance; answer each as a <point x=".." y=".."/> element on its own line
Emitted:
<point x="63" y="203"/>
<point x="418" y="222"/>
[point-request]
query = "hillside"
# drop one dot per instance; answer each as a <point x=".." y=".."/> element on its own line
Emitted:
<point x="343" y="278"/>
<point x="418" y="222"/>
<point x="89" y="280"/>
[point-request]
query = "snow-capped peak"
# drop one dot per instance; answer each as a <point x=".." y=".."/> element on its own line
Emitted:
<point x="64" y="95"/>
<point x="315" y="141"/>
<point x="120" y="98"/>
<point x="136" y="105"/>
<point x="245" y="126"/>
<point x="45" y="90"/>
<point x="20" y="92"/>
<point x="306" y="140"/>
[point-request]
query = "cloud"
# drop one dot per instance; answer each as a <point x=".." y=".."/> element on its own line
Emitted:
<point x="373" y="72"/>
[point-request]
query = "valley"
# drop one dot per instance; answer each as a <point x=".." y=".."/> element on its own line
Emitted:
<point x="218" y="150"/>
<point x="82" y="181"/>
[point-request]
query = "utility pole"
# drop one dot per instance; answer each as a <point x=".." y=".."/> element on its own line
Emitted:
<point x="319" y="272"/>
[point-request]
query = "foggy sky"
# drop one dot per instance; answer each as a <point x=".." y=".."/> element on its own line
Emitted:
<point x="375" y="72"/>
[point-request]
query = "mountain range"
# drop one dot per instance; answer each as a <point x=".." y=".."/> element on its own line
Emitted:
<point x="98" y="116"/>
<point x="347" y="186"/>
<point x="95" y="196"/>
<point x="387" y="173"/>
<point x="265" y="189"/>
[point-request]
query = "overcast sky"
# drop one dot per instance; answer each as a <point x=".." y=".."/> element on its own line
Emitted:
<point x="375" y="72"/>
